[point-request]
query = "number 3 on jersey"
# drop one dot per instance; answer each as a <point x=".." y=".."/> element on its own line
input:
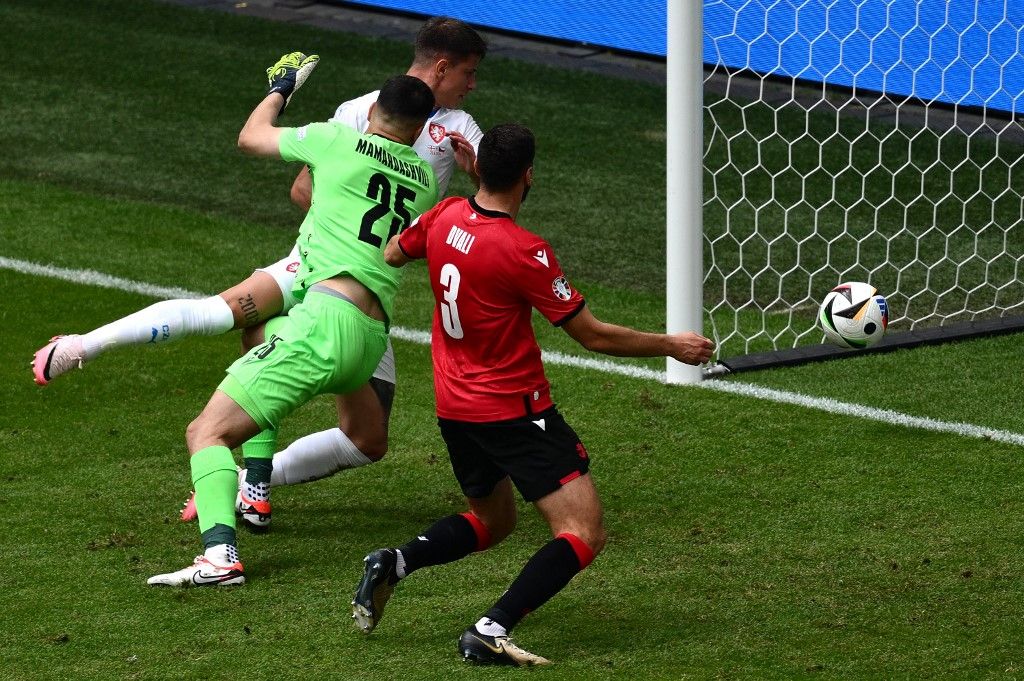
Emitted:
<point x="449" y="308"/>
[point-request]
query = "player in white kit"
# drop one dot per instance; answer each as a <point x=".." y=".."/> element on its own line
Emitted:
<point x="447" y="55"/>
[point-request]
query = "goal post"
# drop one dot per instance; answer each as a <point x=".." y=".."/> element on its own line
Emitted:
<point x="684" y="197"/>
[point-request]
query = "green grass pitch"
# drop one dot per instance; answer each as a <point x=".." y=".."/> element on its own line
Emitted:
<point x="747" y="539"/>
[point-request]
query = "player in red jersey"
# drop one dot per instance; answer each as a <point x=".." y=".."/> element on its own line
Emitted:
<point x="493" y="401"/>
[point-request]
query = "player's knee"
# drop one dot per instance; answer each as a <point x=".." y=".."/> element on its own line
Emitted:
<point x="373" y="449"/>
<point x="591" y="534"/>
<point x="368" y="432"/>
<point x="596" y="539"/>
<point x="370" y="440"/>
<point x="196" y="433"/>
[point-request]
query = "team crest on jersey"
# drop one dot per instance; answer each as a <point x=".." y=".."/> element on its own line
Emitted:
<point x="561" y="288"/>
<point x="436" y="132"/>
<point x="293" y="267"/>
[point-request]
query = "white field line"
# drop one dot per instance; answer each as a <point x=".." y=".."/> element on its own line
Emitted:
<point x="92" y="278"/>
<point x="782" y="310"/>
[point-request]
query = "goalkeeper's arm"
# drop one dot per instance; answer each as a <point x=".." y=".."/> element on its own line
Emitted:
<point x="259" y="136"/>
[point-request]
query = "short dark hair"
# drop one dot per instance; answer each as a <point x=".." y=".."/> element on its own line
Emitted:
<point x="447" y="37"/>
<point x="505" y="152"/>
<point x="407" y="99"/>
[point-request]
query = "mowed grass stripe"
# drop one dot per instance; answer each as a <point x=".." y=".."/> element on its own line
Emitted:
<point x="832" y="406"/>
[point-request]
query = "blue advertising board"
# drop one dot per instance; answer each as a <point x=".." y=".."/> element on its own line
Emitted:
<point x="963" y="52"/>
<point x="634" y="25"/>
<point x="967" y="52"/>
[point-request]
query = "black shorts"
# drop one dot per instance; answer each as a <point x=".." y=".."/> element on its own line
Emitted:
<point x="540" y="452"/>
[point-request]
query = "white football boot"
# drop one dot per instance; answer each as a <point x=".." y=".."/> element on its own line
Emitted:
<point x="218" y="566"/>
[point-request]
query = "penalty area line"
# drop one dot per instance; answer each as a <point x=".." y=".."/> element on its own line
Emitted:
<point x="888" y="416"/>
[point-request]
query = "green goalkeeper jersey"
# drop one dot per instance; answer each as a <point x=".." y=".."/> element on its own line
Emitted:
<point x="366" y="189"/>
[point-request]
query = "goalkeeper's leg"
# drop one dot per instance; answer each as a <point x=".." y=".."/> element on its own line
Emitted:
<point x="360" y="438"/>
<point x="315" y="456"/>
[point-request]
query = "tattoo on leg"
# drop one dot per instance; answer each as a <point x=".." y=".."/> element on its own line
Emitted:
<point x="249" y="310"/>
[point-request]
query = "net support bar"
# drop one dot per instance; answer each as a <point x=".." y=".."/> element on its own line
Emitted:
<point x="684" y="183"/>
<point x="902" y="340"/>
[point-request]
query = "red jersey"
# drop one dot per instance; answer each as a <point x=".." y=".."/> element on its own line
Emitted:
<point x="488" y="274"/>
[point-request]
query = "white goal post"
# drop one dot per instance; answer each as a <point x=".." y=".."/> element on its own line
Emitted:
<point x="684" y="201"/>
<point x="839" y="140"/>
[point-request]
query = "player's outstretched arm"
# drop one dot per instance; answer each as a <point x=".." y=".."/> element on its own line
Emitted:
<point x="259" y="136"/>
<point x="621" y="341"/>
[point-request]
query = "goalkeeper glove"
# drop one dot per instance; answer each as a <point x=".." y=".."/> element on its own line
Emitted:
<point x="289" y="73"/>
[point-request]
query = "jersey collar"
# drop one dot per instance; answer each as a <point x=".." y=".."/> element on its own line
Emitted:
<point x="485" y="211"/>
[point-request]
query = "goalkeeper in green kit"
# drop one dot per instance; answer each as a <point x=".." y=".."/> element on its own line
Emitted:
<point x="366" y="188"/>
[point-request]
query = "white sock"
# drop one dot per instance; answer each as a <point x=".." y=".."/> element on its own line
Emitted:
<point x="316" y="456"/>
<point x="222" y="554"/>
<point x="489" y="627"/>
<point x="258" y="492"/>
<point x="399" y="564"/>
<point x="162" y="322"/>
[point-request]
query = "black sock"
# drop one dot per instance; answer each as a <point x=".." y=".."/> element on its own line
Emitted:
<point x="258" y="470"/>
<point x="219" y="534"/>
<point x="448" y="539"/>
<point x="545" y="574"/>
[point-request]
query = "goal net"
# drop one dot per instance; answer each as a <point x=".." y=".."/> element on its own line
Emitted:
<point x="861" y="140"/>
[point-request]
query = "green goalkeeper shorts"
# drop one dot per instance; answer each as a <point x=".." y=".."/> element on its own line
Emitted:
<point x="324" y="345"/>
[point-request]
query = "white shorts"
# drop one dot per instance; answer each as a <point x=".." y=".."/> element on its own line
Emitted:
<point x="385" y="371"/>
<point x="283" y="272"/>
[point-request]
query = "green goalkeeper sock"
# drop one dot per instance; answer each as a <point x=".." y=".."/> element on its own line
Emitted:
<point x="260" y="446"/>
<point x="216" y="483"/>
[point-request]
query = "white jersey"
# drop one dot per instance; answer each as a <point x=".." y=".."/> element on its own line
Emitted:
<point x="432" y="145"/>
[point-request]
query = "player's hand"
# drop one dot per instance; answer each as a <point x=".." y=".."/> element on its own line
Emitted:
<point x="289" y="73"/>
<point x="691" y="348"/>
<point x="465" y="155"/>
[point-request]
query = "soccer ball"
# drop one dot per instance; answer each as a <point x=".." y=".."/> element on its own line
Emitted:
<point x="854" y="315"/>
